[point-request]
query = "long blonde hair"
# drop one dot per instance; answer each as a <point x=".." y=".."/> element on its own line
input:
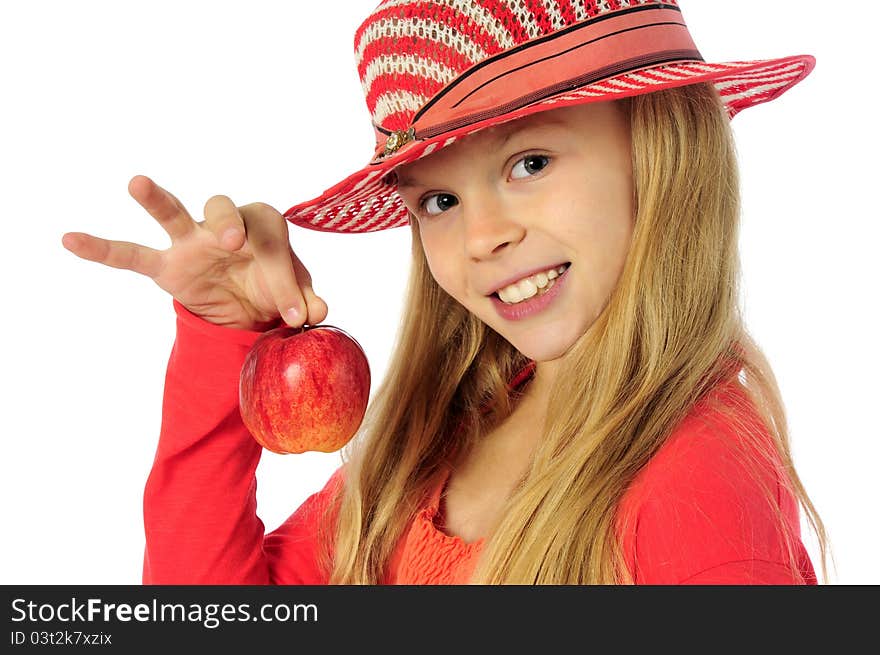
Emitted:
<point x="667" y="336"/>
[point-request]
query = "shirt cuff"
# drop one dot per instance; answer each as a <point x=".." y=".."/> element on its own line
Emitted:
<point x="237" y="336"/>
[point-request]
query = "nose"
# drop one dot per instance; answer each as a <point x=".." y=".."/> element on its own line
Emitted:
<point x="490" y="225"/>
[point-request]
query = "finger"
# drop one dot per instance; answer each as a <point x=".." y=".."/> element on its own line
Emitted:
<point x="317" y="308"/>
<point x="163" y="206"/>
<point x="118" y="254"/>
<point x="267" y="237"/>
<point x="224" y="221"/>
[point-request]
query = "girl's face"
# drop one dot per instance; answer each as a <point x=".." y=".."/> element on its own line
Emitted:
<point x="522" y="198"/>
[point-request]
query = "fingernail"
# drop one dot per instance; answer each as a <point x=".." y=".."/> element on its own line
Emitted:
<point x="230" y="234"/>
<point x="292" y="315"/>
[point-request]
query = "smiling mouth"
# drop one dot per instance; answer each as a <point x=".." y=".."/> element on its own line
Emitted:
<point x="541" y="290"/>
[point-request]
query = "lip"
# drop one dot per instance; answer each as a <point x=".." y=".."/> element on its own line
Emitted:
<point x="523" y="275"/>
<point x="533" y="305"/>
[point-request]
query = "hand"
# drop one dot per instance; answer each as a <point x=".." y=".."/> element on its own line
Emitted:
<point x="236" y="268"/>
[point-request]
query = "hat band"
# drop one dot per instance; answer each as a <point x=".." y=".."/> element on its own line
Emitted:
<point x="612" y="44"/>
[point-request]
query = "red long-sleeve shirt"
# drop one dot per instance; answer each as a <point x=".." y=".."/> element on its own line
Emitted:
<point x="699" y="516"/>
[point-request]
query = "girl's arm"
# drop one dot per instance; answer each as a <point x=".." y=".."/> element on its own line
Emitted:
<point x="200" y="517"/>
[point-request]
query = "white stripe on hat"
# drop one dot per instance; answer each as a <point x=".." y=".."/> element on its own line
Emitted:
<point x="367" y="178"/>
<point x="753" y="91"/>
<point x="672" y="75"/>
<point x="767" y="70"/>
<point x="398" y="216"/>
<point x="354" y="219"/>
<point x="624" y="83"/>
<point x="700" y="68"/>
<point x="387" y="211"/>
<point x="349" y="198"/>
<point x="429" y="149"/>
<point x="402" y="64"/>
<point x="394" y="102"/>
<point x="769" y="80"/>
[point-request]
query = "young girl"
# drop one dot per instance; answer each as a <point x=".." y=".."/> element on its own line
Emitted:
<point x="573" y="397"/>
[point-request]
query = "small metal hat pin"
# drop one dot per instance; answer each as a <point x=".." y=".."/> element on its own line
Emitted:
<point x="397" y="139"/>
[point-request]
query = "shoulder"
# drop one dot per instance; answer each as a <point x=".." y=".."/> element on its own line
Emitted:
<point x="708" y="499"/>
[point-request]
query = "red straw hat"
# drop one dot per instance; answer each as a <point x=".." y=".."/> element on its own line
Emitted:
<point x="433" y="72"/>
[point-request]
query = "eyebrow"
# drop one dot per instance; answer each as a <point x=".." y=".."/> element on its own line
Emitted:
<point x="499" y="141"/>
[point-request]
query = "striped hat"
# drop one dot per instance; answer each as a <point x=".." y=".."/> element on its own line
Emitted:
<point x="433" y="72"/>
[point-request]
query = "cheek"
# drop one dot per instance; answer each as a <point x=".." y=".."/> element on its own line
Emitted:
<point x="600" y="228"/>
<point x="608" y="206"/>
<point x="616" y="237"/>
<point x="446" y="278"/>
<point x="440" y="264"/>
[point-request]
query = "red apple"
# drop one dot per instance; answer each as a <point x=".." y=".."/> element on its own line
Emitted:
<point x="304" y="389"/>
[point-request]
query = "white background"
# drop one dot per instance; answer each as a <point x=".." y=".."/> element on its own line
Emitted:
<point x="260" y="101"/>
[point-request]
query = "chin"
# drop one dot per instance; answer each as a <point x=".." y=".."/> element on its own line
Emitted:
<point x="542" y="349"/>
<point x="542" y="343"/>
<point x="542" y="354"/>
<point x="551" y="341"/>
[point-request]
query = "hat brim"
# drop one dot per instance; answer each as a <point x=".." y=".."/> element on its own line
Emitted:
<point x="367" y="200"/>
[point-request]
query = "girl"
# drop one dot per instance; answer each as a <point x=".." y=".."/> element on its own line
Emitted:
<point x="573" y="398"/>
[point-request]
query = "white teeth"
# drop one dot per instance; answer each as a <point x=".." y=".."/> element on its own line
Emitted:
<point x="525" y="289"/>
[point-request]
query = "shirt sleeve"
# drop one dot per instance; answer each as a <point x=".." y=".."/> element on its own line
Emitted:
<point x="704" y="519"/>
<point x="200" y="519"/>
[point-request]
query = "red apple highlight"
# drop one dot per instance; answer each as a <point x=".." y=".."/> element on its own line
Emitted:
<point x="304" y="389"/>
